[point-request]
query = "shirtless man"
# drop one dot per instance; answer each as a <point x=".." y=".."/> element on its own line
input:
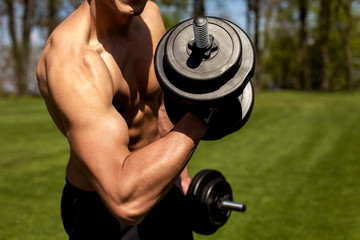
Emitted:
<point x="96" y="74"/>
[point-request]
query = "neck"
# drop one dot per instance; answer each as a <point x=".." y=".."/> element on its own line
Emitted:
<point x="107" y="20"/>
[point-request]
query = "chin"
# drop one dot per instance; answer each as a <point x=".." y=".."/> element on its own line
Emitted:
<point x="135" y="7"/>
<point x="137" y="11"/>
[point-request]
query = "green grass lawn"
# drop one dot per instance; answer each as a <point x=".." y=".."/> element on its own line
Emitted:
<point x="295" y="164"/>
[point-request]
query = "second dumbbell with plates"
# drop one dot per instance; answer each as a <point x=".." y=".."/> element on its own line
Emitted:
<point x="210" y="201"/>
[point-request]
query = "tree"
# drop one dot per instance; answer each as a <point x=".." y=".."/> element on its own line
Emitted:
<point x="52" y="12"/>
<point x="199" y="8"/>
<point x="303" y="82"/>
<point x="53" y="19"/>
<point x="279" y="58"/>
<point x="20" y="46"/>
<point x="324" y="28"/>
<point x="254" y="6"/>
<point x="173" y="11"/>
<point x="344" y="25"/>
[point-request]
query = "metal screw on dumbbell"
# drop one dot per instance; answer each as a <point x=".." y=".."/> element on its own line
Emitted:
<point x="201" y="34"/>
<point x="207" y="62"/>
<point x="204" y="45"/>
<point x="233" y="206"/>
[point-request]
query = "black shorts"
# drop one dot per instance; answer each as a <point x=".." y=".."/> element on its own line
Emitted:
<point x="85" y="216"/>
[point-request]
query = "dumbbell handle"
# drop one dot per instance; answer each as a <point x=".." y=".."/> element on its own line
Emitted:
<point x="234" y="206"/>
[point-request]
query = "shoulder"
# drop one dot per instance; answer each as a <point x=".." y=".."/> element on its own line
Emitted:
<point x="68" y="55"/>
<point x="68" y="71"/>
<point x="151" y="6"/>
<point x="66" y="49"/>
<point x="151" y="13"/>
<point x="152" y="17"/>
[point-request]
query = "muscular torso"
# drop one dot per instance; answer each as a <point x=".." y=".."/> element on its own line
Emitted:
<point x="129" y="62"/>
<point x="137" y="91"/>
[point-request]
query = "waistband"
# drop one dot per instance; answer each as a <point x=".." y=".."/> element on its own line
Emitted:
<point x="72" y="189"/>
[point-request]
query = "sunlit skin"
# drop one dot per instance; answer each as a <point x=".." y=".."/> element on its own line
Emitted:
<point x="96" y="75"/>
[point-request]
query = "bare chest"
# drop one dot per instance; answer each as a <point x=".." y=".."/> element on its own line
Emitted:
<point x="136" y="89"/>
<point x="132" y="72"/>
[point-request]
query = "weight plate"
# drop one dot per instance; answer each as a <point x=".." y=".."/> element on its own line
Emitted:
<point x="222" y="91"/>
<point x="189" y="67"/>
<point x="200" y="180"/>
<point x="230" y="117"/>
<point x="199" y="219"/>
<point x="213" y="194"/>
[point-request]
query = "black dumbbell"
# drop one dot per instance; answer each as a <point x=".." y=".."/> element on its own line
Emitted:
<point x="207" y="62"/>
<point x="210" y="201"/>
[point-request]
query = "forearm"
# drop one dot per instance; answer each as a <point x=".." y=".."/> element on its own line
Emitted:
<point x="163" y="160"/>
<point x="165" y="126"/>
